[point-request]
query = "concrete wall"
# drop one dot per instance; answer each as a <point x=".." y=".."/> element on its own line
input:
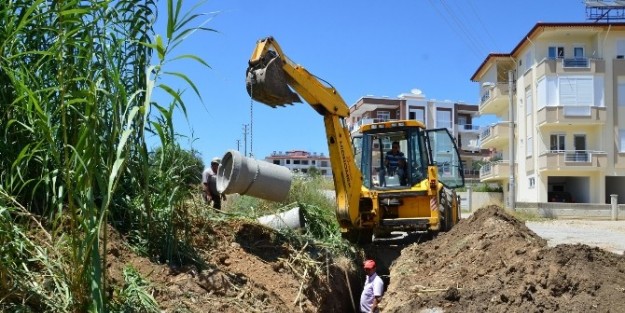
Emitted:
<point x="571" y="210"/>
<point x="480" y="199"/>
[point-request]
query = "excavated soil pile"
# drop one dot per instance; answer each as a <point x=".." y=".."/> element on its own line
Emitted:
<point x="491" y="262"/>
<point x="247" y="268"/>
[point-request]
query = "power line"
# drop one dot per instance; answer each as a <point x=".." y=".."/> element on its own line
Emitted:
<point x="488" y="34"/>
<point x="459" y="30"/>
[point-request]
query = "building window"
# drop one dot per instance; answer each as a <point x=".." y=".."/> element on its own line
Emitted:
<point x="443" y="119"/>
<point x="276" y="162"/>
<point x="576" y="91"/>
<point x="556" y="52"/>
<point x="621" y="134"/>
<point x="556" y="142"/>
<point x="620" y="91"/>
<point x="528" y="60"/>
<point x="288" y="161"/>
<point x="529" y="123"/>
<point x="304" y="162"/>
<point x="578" y="52"/>
<point x="324" y="163"/>
<point x="296" y="162"/>
<point x="384" y="115"/>
<point x="620" y="49"/>
<point x="417" y="115"/>
<point x="531" y="183"/>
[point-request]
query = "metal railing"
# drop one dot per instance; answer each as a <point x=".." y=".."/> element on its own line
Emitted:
<point x="468" y="127"/>
<point x="485" y="97"/>
<point x="576" y="62"/>
<point x="582" y="156"/>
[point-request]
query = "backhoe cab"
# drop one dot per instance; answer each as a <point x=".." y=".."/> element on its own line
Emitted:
<point x="379" y="188"/>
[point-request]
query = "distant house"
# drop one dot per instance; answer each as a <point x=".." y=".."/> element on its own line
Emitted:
<point x="299" y="161"/>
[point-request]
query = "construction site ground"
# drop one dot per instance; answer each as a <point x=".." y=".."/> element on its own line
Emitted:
<point x="489" y="262"/>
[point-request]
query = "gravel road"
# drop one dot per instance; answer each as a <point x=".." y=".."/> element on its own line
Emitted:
<point x="608" y="235"/>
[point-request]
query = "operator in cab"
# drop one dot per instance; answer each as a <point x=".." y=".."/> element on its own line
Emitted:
<point x="395" y="162"/>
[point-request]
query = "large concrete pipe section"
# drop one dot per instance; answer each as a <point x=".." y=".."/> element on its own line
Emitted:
<point x="291" y="219"/>
<point x="247" y="176"/>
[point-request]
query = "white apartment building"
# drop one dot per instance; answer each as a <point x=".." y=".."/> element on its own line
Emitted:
<point x="568" y="112"/>
<point x="456" y="117"/>
<point x="300" y="162"/>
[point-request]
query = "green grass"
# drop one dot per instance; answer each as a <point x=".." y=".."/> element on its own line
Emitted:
<point x="321" y="227"/>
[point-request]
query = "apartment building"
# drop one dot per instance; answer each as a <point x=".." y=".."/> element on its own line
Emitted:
<point x="566" y="110"/>
<point x="300" y="162"/>
<point x="456" y="117"/>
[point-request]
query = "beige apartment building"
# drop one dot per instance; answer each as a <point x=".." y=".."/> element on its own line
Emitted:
<point x="568" y="113"/>
<point x="456" y="117"/>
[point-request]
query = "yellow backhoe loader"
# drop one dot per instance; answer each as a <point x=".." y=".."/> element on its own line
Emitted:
<point x="378" y="189"/>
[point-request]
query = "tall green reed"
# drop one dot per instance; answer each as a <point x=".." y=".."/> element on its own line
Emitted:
<point x="76" y="85"/>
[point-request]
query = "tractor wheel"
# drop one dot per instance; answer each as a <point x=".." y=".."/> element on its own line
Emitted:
<point x="445" y="206"/>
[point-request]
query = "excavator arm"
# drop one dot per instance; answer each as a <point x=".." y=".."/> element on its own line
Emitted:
<point x="269" y="76"/>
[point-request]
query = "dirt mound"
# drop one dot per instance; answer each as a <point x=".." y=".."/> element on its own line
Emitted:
<point x="248" y="268"/>
<point x="491" y="262"/>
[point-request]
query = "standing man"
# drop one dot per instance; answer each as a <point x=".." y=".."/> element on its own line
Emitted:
<point x="209" y="184"/>
<point x="372" y="291"/>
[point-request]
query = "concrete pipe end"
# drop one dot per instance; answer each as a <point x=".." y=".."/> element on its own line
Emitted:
<point x="228" y="171"/>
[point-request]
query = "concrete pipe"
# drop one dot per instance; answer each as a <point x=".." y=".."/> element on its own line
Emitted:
<point x="291" y="219"/>
<point x="247" y="176"/>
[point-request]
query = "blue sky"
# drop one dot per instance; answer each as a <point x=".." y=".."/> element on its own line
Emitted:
<point x="380" y="48"/>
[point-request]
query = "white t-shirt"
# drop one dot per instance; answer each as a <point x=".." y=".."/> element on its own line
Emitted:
<point x="374" y="287"/>
<point x="209" y="177"/>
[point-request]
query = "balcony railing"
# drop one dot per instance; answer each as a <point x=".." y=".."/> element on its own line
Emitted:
<point x="554" y="159"/>
<point x="485" y="96"/>
<point x="494" y="98"/>
<point x="575" y="62"/>
<point x="495" y="135"/>
<point x="468" y="127"/>
<point x="495" y="170"/>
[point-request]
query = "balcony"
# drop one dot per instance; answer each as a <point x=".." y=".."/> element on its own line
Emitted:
<point x="573" y="65"/>
<point x="571" y="115"/>
<point x="494" y="99"/>
<point x="495" y="135"/>
<point x="495" y="171"/>
<point x="468" y="128"/>
<point x="577" y="160"/>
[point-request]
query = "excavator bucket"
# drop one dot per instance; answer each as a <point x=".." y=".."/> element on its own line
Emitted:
<point x="265" y="82"/>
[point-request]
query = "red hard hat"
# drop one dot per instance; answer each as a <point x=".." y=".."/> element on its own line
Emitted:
<point x="369" y="264"/>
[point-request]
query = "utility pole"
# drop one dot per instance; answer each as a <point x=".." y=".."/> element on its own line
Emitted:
<point x="245" y="139"/>
<point x="238" y="144"/>
<point x="511" y="187"/>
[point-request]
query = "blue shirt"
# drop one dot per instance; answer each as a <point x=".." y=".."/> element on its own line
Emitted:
<point x="392" y="159"/>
